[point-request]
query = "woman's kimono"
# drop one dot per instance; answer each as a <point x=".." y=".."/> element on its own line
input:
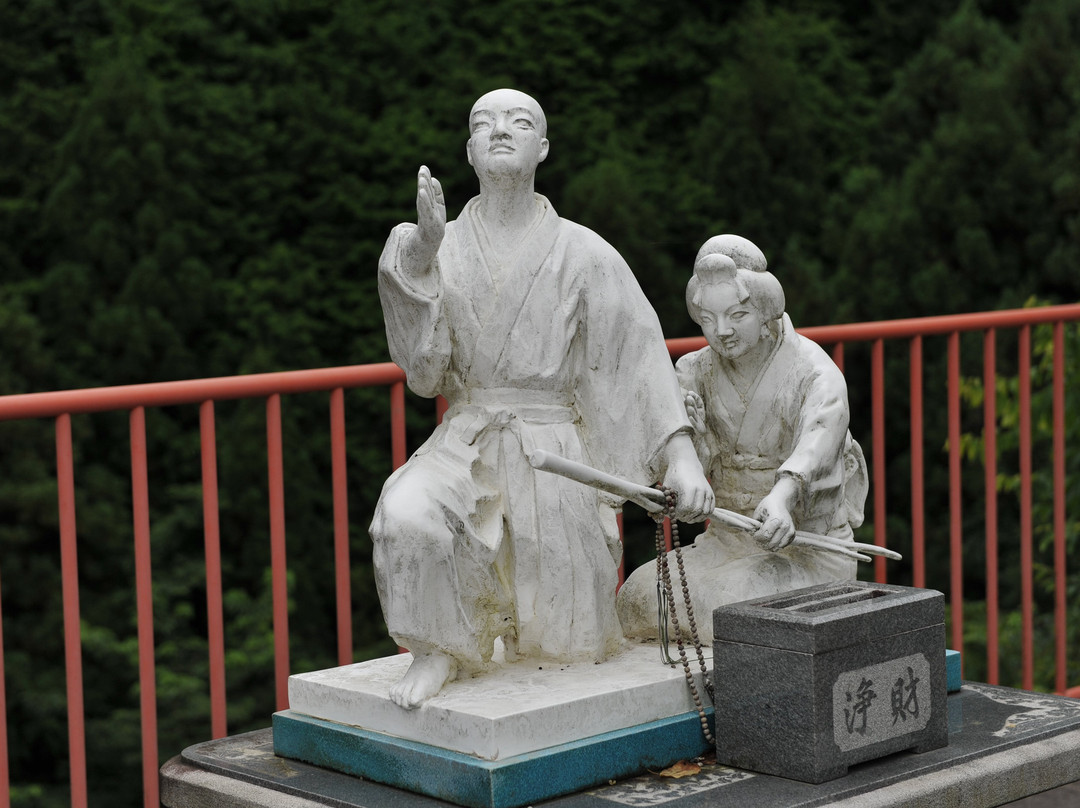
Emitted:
<point x="559" y="350"/>
<point x="793" y="421"/>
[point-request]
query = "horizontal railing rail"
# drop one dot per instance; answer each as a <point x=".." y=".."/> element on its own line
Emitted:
<point x="136" y="399"/>
<point x="195" y="391"/>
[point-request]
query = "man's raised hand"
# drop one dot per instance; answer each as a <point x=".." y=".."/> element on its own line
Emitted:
<point x="430" y="208"/>
<point x="424" y="241"/>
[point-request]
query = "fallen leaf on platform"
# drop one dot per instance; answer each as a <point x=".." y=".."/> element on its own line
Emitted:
<point x="683" y="768"/>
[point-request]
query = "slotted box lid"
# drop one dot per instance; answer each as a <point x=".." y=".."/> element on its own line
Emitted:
<point x="828" y="616"/>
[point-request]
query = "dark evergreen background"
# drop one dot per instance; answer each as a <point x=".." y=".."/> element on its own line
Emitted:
<point x="192" y="188"/>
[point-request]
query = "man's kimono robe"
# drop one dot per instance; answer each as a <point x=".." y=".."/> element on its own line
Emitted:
<point x="556" y="349"/>
<point x="793" y="420"/>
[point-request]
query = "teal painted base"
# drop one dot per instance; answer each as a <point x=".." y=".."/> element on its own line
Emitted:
<point x="468" y="781"/>
<point x="952" y="671"/>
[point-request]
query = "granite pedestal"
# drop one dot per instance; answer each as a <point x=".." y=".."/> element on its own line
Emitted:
<point x="813" y="681"/>
<point x="1004" y="745"/>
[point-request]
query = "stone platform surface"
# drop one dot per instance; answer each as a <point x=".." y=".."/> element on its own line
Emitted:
<point x="1004" y="745"/>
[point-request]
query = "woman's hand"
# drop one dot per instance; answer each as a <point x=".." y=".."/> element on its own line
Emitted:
<point x="774" y="512"/>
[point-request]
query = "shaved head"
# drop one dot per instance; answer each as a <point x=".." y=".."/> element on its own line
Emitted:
<point x="507" y="98"/>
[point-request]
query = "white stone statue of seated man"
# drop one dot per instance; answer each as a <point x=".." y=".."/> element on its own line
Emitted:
<point x="538" y="335"/>
<point x="770" y="415"/>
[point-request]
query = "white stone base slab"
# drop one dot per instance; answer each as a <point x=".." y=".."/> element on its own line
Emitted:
<point x="518" y="708"/>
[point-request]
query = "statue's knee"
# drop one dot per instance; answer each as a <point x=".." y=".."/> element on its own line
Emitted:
<point x="401" y="513"/>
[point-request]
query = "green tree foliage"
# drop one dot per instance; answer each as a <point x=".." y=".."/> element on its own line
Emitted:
<point x="789" y="120"/>
<point x="963" y="207"/>
<point x="192" y="188"/>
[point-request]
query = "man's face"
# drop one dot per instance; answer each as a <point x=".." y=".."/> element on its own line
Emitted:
<point x="506" y="134"/>
<point x="731" y="328"/>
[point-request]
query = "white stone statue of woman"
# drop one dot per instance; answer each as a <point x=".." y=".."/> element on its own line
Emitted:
<point x="770" y="414"/>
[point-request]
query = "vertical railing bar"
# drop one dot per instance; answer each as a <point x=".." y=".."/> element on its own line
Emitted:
<point x="1026" y="584"/>
<point x="144" y="606"/>
<point x="5" y="778"/>
<point x="838" y="355"/>
<point x="69" y="565"/>
<point x="990" y="492"/>
<point x="397" y="425"/>
<point x="278" y="569"/>
<point x="342" y="586"/>
<point x="877" y="407"/>
<point x="397" y="435"/>
<point x="956" y="538"/>
<point x="1060" y="627"/>
<point x="215" y="611"/>
<point x="918" y="495"/>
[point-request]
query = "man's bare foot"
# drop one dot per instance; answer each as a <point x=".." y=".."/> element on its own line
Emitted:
<point x="425" y="677"/>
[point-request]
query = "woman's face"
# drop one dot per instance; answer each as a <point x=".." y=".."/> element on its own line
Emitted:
<point x="730" y="327"/>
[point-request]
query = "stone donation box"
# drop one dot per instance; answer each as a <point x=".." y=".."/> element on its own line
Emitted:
<point x="812" y="681"/>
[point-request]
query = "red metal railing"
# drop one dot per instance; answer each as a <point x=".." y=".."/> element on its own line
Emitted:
<point x="61" y="406"/>
<point x="953" y="326"/>
<point x="204" y="392"/>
